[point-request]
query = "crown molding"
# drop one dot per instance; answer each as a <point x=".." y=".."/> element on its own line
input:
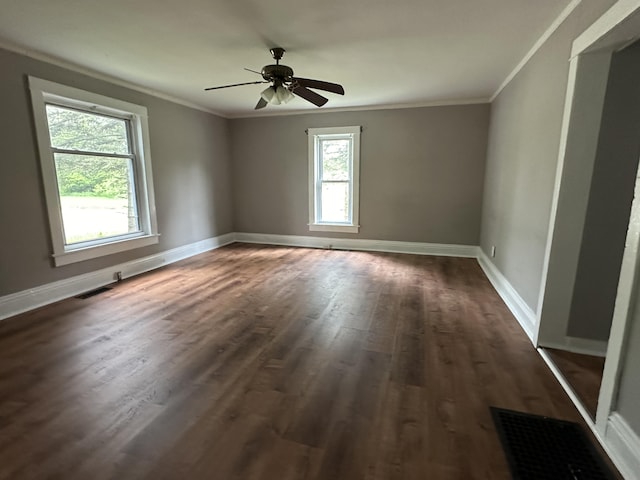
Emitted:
<point x="43" y="57"/>
<point x="367" y="108"/>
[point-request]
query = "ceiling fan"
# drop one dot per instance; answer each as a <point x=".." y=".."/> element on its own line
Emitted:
<point x="284" y="86"/>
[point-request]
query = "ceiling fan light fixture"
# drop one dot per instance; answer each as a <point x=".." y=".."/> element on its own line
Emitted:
<point x="284" y="94"/>
<point x="277" y="95"/>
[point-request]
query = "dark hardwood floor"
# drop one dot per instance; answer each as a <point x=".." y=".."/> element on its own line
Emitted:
<point x="255" y="362"/>
<point x="583" y="373"/>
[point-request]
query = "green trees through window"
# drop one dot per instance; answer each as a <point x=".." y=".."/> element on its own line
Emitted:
<point x="89" y="175"/>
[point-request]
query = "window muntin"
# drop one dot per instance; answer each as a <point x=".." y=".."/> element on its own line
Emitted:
<point x="94" y="154"/>
<point x="333" y="179"/>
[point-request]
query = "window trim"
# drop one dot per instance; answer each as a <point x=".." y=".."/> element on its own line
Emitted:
<point x="45" y="91"/>
<point x="314" y="134"/>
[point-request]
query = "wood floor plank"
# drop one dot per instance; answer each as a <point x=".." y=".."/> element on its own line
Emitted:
<point x="584" y="374"/>
<point x="262" y="362"/>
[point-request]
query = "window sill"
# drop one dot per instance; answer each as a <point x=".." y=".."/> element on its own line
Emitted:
<point x="87" y="253"/>
<point x="333" y="227"/>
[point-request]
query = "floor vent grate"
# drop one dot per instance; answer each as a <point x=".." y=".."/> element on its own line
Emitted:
<point x="539" y="448"/>
<point x="93" y="293"/>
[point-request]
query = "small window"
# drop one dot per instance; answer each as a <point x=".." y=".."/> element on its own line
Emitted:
<point x="96" y="170"/>
<point x="334" y="159"/>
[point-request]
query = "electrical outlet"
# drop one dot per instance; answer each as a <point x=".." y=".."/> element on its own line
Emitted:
<point x="493" y="251"/>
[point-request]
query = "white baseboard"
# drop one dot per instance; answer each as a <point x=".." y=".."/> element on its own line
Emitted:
<point x="623" y="446"/>
<point x="23" y="301"/>
<point x="26" y="300"/>
<point x="16" y="303"/>
<point x="586" y="346"/>
<point x="417" y="248"/>
<point x="523" y="313"/>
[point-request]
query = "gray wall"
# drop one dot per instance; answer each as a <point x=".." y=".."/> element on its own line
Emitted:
<point x="421" y="177"/>
<point x="629" y="137"/>
<point x="629" y="390"/>
<point x="191" y="172"/>
<point x="610" y="198"/>
<point x="524" y="138"/>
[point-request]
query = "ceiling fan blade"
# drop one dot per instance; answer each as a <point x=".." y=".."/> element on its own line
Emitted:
<point x="320" y="85"/>
<point x="252" y="71"/>
<point x="310" y="96"/>
<point x="236" y="85"/>
<point x="261" y="104"/>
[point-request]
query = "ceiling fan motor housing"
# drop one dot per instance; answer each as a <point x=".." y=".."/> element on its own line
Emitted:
<point x="279" y="72"/>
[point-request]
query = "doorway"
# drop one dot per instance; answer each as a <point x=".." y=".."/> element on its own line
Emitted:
<point x="580" y="355"/>
<point x="591" y="269"/>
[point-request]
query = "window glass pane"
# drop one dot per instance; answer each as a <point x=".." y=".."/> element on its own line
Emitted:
<point x="335" y="202"/>
<point x="335" y="159"/>
<point x="75" y="130"/>
<point x="97" y="197"/>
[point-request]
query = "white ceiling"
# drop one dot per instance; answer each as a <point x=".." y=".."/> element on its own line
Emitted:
<point x="402" y="52"/>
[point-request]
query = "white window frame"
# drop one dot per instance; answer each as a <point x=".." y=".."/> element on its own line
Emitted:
<point x="315" y="184"/>
<point x="43" y="92"/>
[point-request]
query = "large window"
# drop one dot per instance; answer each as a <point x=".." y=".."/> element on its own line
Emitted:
<point x="96" y="169"/>
<point x="334" y="167"/>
